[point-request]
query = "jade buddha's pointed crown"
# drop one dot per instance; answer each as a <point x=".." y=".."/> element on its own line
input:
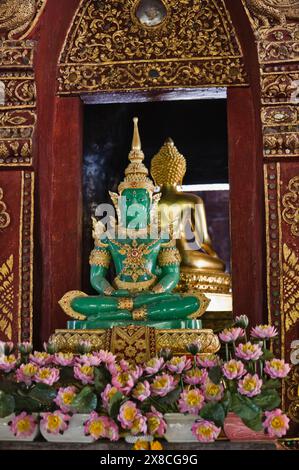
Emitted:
<point x="136" y="174"/>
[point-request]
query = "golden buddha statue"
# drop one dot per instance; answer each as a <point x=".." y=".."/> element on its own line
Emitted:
<point x="201" y="267"/>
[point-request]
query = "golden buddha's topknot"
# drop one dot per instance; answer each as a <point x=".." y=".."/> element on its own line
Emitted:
<point x="168" y="166"/>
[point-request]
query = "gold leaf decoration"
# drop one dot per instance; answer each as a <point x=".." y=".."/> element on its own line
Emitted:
<point x="19" y="16"/>
<point x="290" y="287"/>
<point x="290" y="201"/>
<point x="6" y="298"/>
<point x="4" y="215"/>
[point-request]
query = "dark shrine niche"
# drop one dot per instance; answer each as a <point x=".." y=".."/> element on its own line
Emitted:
<point x="199" y="130"/>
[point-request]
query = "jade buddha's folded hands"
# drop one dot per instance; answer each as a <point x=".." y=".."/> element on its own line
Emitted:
<point x="121" y="293"/>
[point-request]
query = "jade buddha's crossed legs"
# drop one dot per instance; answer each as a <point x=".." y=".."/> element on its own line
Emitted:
<point x="151" y="307"/>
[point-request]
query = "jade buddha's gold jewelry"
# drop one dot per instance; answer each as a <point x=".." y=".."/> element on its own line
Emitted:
<point x="139" y="314"/>
<point x="100" y="258"/>
<point x="125" y="303"/>
<point x="135" y="286"/>
<point x="168" y="256"/>
<point x="108" y="290"/>
<point x="158" y="289"/>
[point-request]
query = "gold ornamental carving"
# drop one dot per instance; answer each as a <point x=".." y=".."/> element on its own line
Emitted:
<point x="265" y="12"/>
<point x="137" y="342"/>
<point x="290" y="287"/>
<point x="292" y="393"/>
<point x="6" y="297"/>
<point x="290" y="201"/>
<point x="18" y="17"/>
<point x="109" y="49"/>
<point x="216" y="282"/>
<point x="4" y="215"/>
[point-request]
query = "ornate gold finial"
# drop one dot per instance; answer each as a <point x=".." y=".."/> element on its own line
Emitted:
<point x="136" y="174"/>
<point x="168" y="166"/>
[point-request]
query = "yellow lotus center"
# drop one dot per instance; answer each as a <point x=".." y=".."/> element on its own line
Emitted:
<point x="96" y="428"/>
<point x="141" y="445"/>
<point x="87" y="370"/>
<point x="24" y="425"/>
<point x="130" y="413"/>
<point x="212" y="390"/>
<point x="9" y="359"/>
<point x="277" y="422"/>
<point x="205" y="431"/>
<point x="44" y="373"/>
<point x="249" y="384"/>
<point x="153" y="423"/>
<point x="232" y="367"/>
<point x="54" y="422"/>
<point x="175" y="361"/>
<point x="156" y="446"/>
<point x="67" y="397"/>
<point x="124" y="378"/>
<point x="276" y="365"/>
<point x="151" y="363"/>
<point x="41" y="355"/>
<point x="30" y="369"/>
<point x="248" y="348"/>
<point x="67" y="356"/>
<point x="161" y="383"/>
<point x="193" y="398"/>
<point x="111" y="393"/>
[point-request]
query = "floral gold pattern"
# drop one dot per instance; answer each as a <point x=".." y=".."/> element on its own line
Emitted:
<point x="6" y="297"/>
<point x="108" y="49"/>
<point x="65" y="304"/>
<point x="4" y="215"/>
<point x="19" y="16"/>
<point x="219" y="283"/>
<point x="292" y="393"/>
<point x="125" y="303"/>
<point x="139" y="314"/>
<point x="169" y="256"/>
<point x="290" y="287"/>
<point x="137" y="342"/>
<point x="100" y="258"/>
<point x="290" y="202"/>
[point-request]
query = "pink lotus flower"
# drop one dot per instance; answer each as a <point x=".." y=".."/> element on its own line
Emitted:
<point x="142" y="391"/>
<point x="112" y="431"/>
<point x="191" y="401"/>
<point x="249" y="351"/>
<point x="106" y="357"/>
<point x="233" y="369"/>
<point x="100" y="427"/>
<point x="47" y="375"/>
<point x="178" y="364"/>
<point x="155" y="423"/>
<point x="7" y="363"/>
<point x="242" y="321"/>
<point x="250" y="385"/>
<point x="276" y="423"/>
<point x="6" y="348"/>
<point x="84" y="373"/>
<point x="90" y="359"/>
<point x="205" y="431"/>
<point x="195" y="376"/>
<point x="163" y="384"/>
<point x="277" y="369"/>
<point x="154" y="365"/>
<point x="139" y="425"/>
<point x="124" y="382"/>
<point x="264" y="332"/>
<point x="212" y="392"/>
<point x="136" y="372"/>
<point x="64" y="359"/>
<point x="25" y="348"/>
<point x="26" y="372"/>
<point x="65" y="398"/>
<point x="55" y="423"/>
<point x="23" y="425"/>
<point x="124" y="365"/>
<point x="230" y="335"/>
<point x="208" y="361"/>
<point x="107" y="395"/>
<point x="128" y="412"/>
<point x="41" y="358"/>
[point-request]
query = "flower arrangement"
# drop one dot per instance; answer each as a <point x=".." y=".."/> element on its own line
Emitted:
<point x="119" y="397"/>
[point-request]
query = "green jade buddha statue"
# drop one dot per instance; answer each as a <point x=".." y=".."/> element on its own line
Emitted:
<point x="147" y="268"/>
